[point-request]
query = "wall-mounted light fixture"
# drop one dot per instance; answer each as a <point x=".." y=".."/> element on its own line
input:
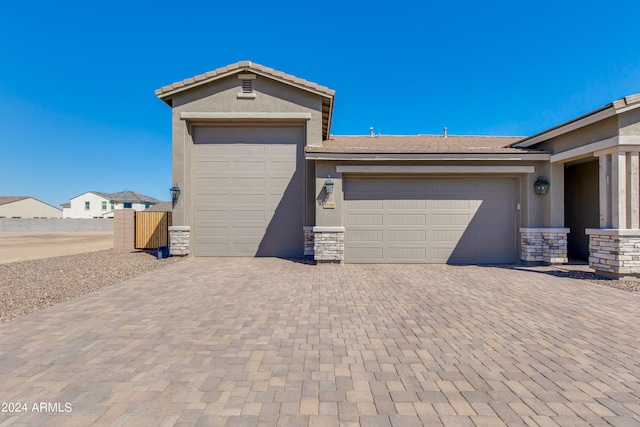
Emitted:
<point x="541" y="185"/>
<point x="175" y="193"/>
<point x="328" y="186"/>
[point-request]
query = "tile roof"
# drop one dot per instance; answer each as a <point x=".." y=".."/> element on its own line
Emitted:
<point x="161" y="207"/>
<point x="129" y="196"/>
<point x="417" y="144"/>
<point x="243" y="66"/>
<point x="10" y="199"/>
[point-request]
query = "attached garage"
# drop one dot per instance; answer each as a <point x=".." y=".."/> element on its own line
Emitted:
<point x="430" y="220"/>
<point x="249" y="197"/>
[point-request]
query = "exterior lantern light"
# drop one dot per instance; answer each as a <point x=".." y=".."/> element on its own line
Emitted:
<point x="175" y="193"/>
<point x="328" y="186"/>
<point x="541" y="185"/>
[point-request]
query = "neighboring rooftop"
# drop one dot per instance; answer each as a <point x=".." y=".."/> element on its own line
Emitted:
<point x="129" y="196"/>
<point x="161" y="207"/>
<point x="417" y="144"/>
<point x="10" y="199"/>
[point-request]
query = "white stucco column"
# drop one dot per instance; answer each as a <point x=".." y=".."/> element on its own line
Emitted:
<point x="633" y="217"/>
<point x="556" y="194"/>
<point x="619" y="187"/>
<point x="605" y="190"/>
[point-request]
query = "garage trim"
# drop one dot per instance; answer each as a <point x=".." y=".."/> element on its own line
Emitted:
<point x="437" y="169"/>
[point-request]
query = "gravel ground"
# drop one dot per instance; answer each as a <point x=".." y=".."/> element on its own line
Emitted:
<point x="589" y="276"/>
<point x="29" y="286"/>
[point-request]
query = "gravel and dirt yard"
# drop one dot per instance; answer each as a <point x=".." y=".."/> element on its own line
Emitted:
<point x="22" y="246"/>
<point x="40" y="269"/>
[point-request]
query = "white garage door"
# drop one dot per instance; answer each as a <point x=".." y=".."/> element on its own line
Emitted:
<point x="249" y="191"/>
<point x="430" y="220"/>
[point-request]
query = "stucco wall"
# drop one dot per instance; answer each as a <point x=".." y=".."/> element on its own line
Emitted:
<point x="629" y="123"/>
<point x="29" y="208"/>
<point x="222" y="96"/>
<point x="55" y="224"/>
<point x="592" y="133"/>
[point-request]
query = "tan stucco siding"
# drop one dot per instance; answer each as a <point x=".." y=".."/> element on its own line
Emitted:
<point x="595" y="132"/>
<point x="221" y="96"/>
<point x="629" y="123"/>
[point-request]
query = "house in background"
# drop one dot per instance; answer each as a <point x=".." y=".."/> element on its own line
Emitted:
<point x="95" y="204"/>
<point x="261" y="175"/>
<point x="26" y="207"/>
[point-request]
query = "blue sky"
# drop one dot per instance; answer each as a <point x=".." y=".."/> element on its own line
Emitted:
<point x="77" y="78"/>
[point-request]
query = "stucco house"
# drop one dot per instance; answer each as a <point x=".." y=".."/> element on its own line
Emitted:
<point x="26" y="207"/>
<point x="261" y="175"/>
<point x="96" y="204"/>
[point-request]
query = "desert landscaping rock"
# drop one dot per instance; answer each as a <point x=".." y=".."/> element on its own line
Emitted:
<point x="28" y="286"/>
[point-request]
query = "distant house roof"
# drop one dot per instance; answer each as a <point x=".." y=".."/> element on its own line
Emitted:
<point x="166" y="93"/>
<point x="129" y="196"/>
<point x="126" y="196"/>
<point x="161" y="207"/>
<point x="66" y="205"/>
<point x="10" y="199"/>
<point x="389" y="144"/>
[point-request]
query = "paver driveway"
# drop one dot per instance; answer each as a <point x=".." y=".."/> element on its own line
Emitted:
<point x="273" y="342"/>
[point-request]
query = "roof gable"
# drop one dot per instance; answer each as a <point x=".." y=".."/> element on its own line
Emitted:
<point x="166" y="93"/>
<point x="613" y="108"/>
<point x="10" y="199"/>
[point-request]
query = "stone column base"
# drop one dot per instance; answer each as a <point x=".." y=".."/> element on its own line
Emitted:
<point x="308" y="242"/>
<point x="328" y="244"/>
<point x="179" y="239"/>
<point x="544" y="245"/>
<point x="614" y="253"/>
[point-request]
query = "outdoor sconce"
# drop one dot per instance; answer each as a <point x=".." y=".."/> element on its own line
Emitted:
<point x="175" y="193"/>
<point x="541" y="185"/>
<point x="328" y="186"/>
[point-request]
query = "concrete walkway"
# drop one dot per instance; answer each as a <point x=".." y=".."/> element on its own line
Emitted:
<point x="244" y="342"/>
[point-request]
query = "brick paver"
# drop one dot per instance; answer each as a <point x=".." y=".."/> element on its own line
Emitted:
<point x="249" y="342"/>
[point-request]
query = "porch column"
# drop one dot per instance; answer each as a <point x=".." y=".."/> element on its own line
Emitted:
<point x="619" y="187"/>
<point x="605" y="190"/>
<point x="614" y="248"/>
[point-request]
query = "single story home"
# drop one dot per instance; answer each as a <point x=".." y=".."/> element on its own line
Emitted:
<point x="96" y="204"/>
<point x="260" y="174"/>
<point x="26" y="207"/>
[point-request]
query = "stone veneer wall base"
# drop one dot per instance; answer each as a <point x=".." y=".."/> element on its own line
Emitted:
<point x="614" y="253"/>
<point x="543" y="245"/>
<point x="179" y="240"/>
<point x="328" y="244"/>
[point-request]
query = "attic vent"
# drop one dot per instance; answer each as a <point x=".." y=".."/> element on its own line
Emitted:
<point x="247" y="87"/>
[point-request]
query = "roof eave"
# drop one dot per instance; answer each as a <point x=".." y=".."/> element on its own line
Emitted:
<point x="609" y="110"/>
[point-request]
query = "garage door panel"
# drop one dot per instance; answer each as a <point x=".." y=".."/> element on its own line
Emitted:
<point x="248" y="150"/>
<point x="365" y="219"/>
<point x="404" y="254"/>
<point x="254" y="182"/>
<point x="367" y="254"/>
<point x="365" y="236"/>
<point x="249" y="199"/>
<point x="212" y="214"/>
<point x="216" y="166"/>
<point x="407" y="204"/>
<point x="407" y="219"/>
<point x="441" y="220"/>
<point x="407" y="236"/>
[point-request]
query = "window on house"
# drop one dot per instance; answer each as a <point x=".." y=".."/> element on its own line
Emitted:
<point x="113" y="205"/>
<point x="127" y="205"/>
<point x="104" y="206"/>
<point x="147" y="205"/>
<point x="87" y="206"/>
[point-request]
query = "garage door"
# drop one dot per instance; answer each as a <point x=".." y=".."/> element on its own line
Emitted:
<point x="249" y="191"/>
<point x="430" y="220"/>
